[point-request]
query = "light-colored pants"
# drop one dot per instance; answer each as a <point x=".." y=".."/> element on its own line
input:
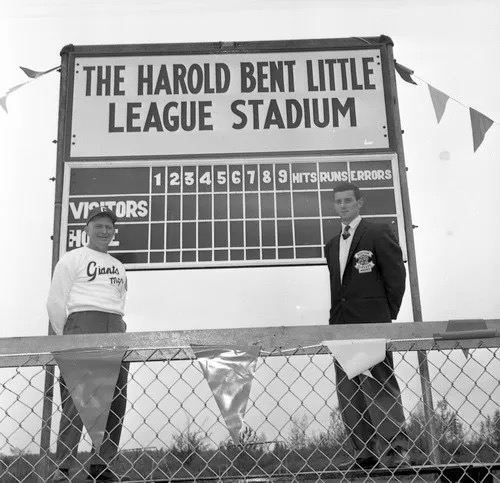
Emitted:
<point x="371" y="409"/>
<point x="70" y="429"/>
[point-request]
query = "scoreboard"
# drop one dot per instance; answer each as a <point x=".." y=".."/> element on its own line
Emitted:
<point x="225" y="212"/>
<point x="226" y="154"/>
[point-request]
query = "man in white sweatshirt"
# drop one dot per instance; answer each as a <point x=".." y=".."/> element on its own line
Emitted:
<point x="87" y="296"/>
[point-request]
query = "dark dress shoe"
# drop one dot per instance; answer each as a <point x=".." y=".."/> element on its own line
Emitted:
<point x="61" y="476"/>
<point x="100" y="474"/>
<point x="395" y="458"/>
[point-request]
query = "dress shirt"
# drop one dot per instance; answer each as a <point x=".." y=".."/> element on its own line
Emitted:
<point x="345" y="245"/>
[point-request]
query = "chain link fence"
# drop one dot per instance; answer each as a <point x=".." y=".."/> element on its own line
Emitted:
<point x="173" y="429"/>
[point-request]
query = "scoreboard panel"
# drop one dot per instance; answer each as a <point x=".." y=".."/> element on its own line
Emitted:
<point x="226" y="212"/>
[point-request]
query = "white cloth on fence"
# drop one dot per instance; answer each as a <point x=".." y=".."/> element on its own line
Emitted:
<point x="357" y="356"/>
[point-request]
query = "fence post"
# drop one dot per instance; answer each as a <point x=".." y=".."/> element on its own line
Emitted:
<point x="429" y="414"/>
<point x="48" y="397"/>
<point x="49" y="374"/>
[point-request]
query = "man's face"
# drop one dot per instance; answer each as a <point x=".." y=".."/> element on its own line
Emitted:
<point x="100" y="231"/>
<point x="347" y="206"/>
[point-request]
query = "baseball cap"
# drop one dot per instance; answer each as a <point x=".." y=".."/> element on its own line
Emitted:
<point x="101" y="211"/>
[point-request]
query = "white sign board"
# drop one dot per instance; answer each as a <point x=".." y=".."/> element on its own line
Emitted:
<point x="195" y="104"/>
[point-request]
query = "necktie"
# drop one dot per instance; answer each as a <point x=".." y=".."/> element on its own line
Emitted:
<point x="345" y="233"/>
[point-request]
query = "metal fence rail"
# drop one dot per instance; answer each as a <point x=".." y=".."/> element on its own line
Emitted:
<point x="173" y="430"/>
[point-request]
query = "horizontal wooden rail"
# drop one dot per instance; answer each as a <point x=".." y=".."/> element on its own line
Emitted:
<point x="37" y="351"/>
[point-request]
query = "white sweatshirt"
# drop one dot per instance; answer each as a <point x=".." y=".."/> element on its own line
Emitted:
<point x="86" y="279"/>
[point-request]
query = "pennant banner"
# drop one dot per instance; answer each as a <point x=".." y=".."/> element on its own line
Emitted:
<point x="480" y="125"/>
<point x="90" y="377"/>
<point x="229" y="371"/>
<point x="357" y="356"/>
<point x="32" y="74"/>
<point x="439" y="100"/>
<point x="405" y="73"/>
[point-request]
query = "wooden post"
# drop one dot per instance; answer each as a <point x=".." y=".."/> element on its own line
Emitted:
<point x="49" y="372"/>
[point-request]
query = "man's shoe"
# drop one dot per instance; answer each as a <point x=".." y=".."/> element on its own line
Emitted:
<point x="61" y="476"/>
<point x="360" y="463"/>
<point x="100" y="473"/>
<point x="395" y="458"/>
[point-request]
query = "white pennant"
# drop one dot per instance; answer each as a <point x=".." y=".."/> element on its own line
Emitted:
<point x="357" y="356"/>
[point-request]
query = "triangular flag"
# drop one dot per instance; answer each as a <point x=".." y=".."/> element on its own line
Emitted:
<point x="3" y="99"/>
<point x="91" y="376"/>
<point x="229" y="372"/>
<point x="34" y="74"/>
<point x="480" y="125"/>
<point x="439" y="100"/>
<point x="3" y="103"/>
<point x="357" y="356"/>
<point x="405" y="73"/>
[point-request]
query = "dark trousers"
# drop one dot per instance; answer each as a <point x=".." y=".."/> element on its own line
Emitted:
<point x="371" y="409"/>
<point x="70" y="429"/>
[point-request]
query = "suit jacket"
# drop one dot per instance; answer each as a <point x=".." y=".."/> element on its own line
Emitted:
<point x="373" y="284"/>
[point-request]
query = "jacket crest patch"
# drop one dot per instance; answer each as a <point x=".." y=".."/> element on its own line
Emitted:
<point x="364" y="262"/>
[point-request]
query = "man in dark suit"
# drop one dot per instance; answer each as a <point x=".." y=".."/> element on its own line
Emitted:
<point x="367" y="283"/>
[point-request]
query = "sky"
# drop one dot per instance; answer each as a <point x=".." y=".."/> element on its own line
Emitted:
<point x="452" y="45"/>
